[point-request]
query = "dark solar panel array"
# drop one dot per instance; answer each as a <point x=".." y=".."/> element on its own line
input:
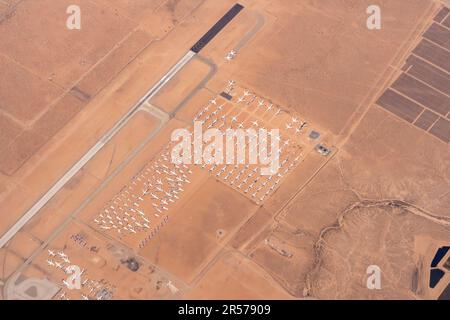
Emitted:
<point x="420" y="95"/>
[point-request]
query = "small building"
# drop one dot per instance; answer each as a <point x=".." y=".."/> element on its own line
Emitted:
<point x="314" y="135"/>
<point x="323" y="150"/>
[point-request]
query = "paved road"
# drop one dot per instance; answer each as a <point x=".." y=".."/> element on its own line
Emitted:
<point x="93" y="151"/>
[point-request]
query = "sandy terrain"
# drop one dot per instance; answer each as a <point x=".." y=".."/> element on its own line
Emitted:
<point x="102" y="262"/>
<point x="310" y="64"/>
<point x="354" y="224"/>
<point x="66" y="146"/>
<point x="380" y="197"/>
<point x="233" y="276"/>
<point x="170" y="97"/>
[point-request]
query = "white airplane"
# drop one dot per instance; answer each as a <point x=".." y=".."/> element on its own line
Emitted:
<point x="270" y="107"/>
<point x="66" y="260"/>
<point x="84" y="297"/>
<point x="164" y="202"/>
<point x="213" y="101"/>
<point x="231" y="55"/>
<point x="297" y="130"/>
<point x="51" y="253"/>
<point x="241" y="125"/>
<point x="62" y="254"/>
<point x="288" y="126"/>
<point x="260" y="103"/>
<point x="58" y="265"/>
<point x="50" y="263"/>
<point x="231" y="83"/>
<point x="246" y="93"/>
<point x="170" y="195"/>
<point x="240" y="99"/>
<point x="154" y="196"/>
<point x="294" y="120"/>
<point x="255" y="123"/>
<point x="234" y="119"/>
<point x="286" y="142"/>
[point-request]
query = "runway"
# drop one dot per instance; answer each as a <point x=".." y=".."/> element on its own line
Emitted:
<point x="96" y="148"/>
<point x="112" y="132"/>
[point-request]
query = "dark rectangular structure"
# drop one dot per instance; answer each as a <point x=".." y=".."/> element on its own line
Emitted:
<point x="226" y="96"/>
<point x="441" y="14"/>
<point x="446" y="22"/>
<point x="441" y="130"/>
<point x="217" y="28"/>
<point x="399" y="105"/>
<point x="422" y="93"/>
<point x="426" y="119"/>
<point x="429" y="74"/>
<point x="439" y="35"/>
<point x="434" y="54"/>
<point x="78" y="93"/>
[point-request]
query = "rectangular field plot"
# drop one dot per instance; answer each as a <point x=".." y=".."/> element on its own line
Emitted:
<point x="422" y="93"/>
<point x="426" y="119"/>
<point x="440" y="16"/>
<point x="441" y="129"/>
<point x="399" y="105"/>
<point x="439" y="35"/>
<point x="434" y="54"/>
<point x="423" y="87"/>
<point x="429" y="74"/>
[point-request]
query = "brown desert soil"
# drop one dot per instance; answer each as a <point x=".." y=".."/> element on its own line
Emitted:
<point x="379" y="198"/>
